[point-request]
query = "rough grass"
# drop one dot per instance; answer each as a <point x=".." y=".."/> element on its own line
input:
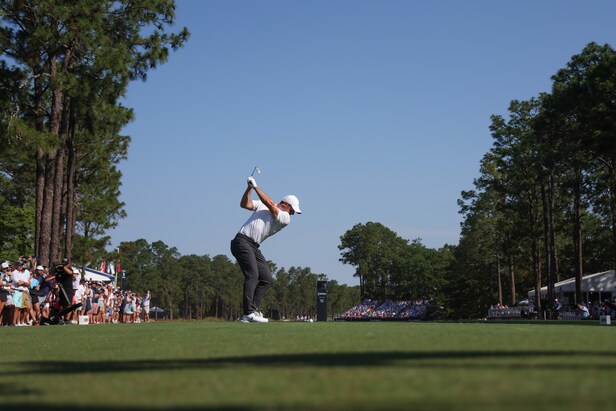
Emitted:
<point x="325" y="366"/>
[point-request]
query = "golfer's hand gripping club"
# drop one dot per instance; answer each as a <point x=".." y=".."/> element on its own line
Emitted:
<point x="252" y="182"/>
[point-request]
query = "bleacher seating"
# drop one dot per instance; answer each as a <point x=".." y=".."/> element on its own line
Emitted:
<point x="388" y="310"/>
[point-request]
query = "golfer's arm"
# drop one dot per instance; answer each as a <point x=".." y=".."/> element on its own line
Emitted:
<point x="269" y="203"/>
<point x="246" y="201"/>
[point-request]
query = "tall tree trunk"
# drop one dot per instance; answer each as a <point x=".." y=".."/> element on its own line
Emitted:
<point x="40" y="195"/>
<point x="40" y="161"/>
<point x="552" y="232"/>
<point x="612" y="200"/>
<point x="577" y="244"/>
<point x="47" y="210"/>
<point x="611" y="184"/>
<point x="57" y="223"/>
<point x="546" y="235"/>
<point x="498" y="276"/>
<point x="362" y="286"/>
<point x="71" y="196"/>
<point x="535" y="253"/>
<point x="47" y="254"/>
<point x="511" y="279"/>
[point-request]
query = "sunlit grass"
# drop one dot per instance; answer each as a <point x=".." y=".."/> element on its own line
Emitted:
<point x="374" y="365"/>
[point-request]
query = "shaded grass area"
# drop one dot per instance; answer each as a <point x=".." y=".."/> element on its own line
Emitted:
<point x="233" y="366"/>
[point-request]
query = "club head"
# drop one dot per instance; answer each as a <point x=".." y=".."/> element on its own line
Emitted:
<point x="256" y="170"/>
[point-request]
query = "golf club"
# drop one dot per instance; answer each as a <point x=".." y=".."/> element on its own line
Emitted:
<point x="256" y="170"/>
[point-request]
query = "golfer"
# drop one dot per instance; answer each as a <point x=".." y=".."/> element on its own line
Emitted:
<point x="267" y="219"/>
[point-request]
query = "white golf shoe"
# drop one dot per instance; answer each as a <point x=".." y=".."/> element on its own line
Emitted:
<point x="253" y="318"/>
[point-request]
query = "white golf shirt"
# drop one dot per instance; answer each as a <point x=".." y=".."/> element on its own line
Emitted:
<point x="18" y="276"/>
<point x="262" y="223"/>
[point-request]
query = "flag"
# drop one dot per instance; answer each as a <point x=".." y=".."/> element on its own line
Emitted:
<point x="102" y="267"/>
<point x="118" y="269"/>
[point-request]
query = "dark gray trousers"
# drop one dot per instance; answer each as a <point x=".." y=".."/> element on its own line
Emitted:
<point x="257" y="275"/>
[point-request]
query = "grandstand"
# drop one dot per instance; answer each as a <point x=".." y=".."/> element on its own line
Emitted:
<point x="370" y="310"/>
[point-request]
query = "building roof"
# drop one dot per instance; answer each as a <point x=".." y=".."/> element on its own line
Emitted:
<point x="95" y="275"/>
<point x="604" y="282"/>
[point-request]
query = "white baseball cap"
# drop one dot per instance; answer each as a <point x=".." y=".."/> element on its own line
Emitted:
<point x="40" y="267"/>
<point x="293" y="202"/>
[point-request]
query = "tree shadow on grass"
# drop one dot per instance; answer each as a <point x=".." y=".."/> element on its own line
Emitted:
<point x="55" y="407"/>
<point x="437" y="359"/>
<point x="488" y="359"/>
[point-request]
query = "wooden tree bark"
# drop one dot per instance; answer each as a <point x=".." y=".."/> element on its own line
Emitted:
<point x="39" y="114"/>
<point x="40" y="195"/>
<point x="47" y="209"/>
<point x="71" y="196"/>
<point x="58" y="186"/>
<point x="46" y="253"/>
<point x="535" y="252"/>
<point x="553" y="271"/>
<point x="498" y="276"/>
<point x="546" y="235"/>
<point x="512" y="280"/>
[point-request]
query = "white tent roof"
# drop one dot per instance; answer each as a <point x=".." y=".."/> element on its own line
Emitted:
<point x="604" y="282"/>
<point x="95" y="275"/>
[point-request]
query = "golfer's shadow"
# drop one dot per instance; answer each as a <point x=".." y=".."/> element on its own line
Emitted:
<point x="443" y="359"/>
<point x="437" y="359"/>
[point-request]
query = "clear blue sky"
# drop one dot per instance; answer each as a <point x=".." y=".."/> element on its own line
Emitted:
<point x="366" y="110"/>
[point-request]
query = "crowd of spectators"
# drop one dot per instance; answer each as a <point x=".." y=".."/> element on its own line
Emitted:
<point x="594" y="310"/>
<point x="32" y="294"/>
<point x="583" y="311"/>
<point x="388" y="310"/>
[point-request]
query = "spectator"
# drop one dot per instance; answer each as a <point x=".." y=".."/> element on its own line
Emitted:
<point x="95" y="306"/>
<point x="64" y="275"/>
<point x="607" y="308"/>
<point x="582" y="311"/>
<point x="80" y="291"/>
<point x="39" y="292"/>
<point x="101" y="303"/>
<point x="76" y="297"/>
<point x="595" y="310"/>
<point x="54" y="301"/>
<point x="138" y="302"/>
<point x="117" y="305"/>
<point x="35" y="286"/>
<point x="128" y="307"/>
<point x="556" y="308"/>
<point x="6" y="299"/>
<point x="146" y="306"/>
<point x="39" y="295"/>
<point x="133" y="306"/>
<point x="111" y="302"/>
<point x="21" y="297"/>
<point x="407" y="310"/>
<point x="88" y="309"/>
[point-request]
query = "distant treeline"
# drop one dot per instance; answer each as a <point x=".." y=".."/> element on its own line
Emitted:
<point x="196" y="287"/>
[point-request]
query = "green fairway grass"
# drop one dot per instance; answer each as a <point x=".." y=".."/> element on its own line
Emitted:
<point x="298" y="366"/>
